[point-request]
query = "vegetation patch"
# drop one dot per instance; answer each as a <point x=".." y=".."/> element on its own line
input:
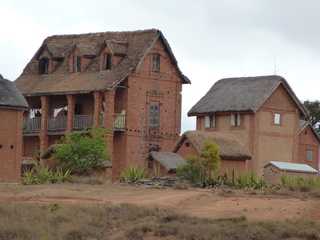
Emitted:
<point x="40" y="175"/>
<point x="133" y="174"/>
<point x="81" y="152"/>
<point x="66" y="222"/>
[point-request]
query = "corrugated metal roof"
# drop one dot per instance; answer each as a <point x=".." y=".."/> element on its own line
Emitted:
<point x="168" y="160"/>
<point x="294" y="167"/>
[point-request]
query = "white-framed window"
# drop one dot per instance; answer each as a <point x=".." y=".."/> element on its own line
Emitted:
<point x="235" y="119"/>
<point x="309" y="155"/>
<point x="210" y="121"/>
<point x="277" y="119"/>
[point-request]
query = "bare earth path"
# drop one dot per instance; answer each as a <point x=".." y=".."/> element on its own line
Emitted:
<point x="195" y="202"/>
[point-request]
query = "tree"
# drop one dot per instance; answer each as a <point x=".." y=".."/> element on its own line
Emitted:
<point x="314" y="110"/>
<point x="80" y="152"/>
<point x="203" y="168"/>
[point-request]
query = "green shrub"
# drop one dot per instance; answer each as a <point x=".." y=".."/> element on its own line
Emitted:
<point x="202" y="170"/>
<point x="41" y="175"/>
<point x="299" y="183"/>
<point x="249" y="180"/>
<point x="82" y="151"/>
<point x="132" y="174"/>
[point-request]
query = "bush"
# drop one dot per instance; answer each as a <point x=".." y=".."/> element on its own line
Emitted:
<point x="204" y="169"/>
<point x="82" y="151"/>
<point x="132" y="174"/>
<point x="299" y="183"/>
<point x="41" y="175"/>
<point x="249" y="180"/>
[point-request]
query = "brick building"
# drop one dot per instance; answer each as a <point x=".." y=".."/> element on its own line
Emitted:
<point x="264" y="115"/>
<point x="129" y="82"/>
<point x="12" y="105"/>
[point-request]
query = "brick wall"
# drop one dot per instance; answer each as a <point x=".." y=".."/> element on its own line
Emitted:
<point x="10" y="145"/>
<point x="144" y="87"/>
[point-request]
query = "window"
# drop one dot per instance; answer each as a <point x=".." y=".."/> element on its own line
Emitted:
<point x="277" y="118"/>
<point x="76" y="64"/>
<point x="107" y="61"/>
<point x="210" y="121"/>
<point x="44" y="66"/>
<point x="156" y="62"/>
<point x="309" y="155"/>
<point x="235" y="119"/>
<point x="154" y="115"/>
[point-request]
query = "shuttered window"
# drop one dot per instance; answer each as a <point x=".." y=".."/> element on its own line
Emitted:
<point x="156" y="62"/>
<point x="154" y="115"/>
<point x="210" y="121"/>
<point x="235" y="119"/>
<point x="309" y="155"/>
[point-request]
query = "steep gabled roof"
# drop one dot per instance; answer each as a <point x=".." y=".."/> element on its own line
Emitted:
<point x="10" y="97"/>
<point x="245" y="94"/>
<point x="229" y="146"/>
<point x="133" y="46"/>
<point x="304" y="124"/>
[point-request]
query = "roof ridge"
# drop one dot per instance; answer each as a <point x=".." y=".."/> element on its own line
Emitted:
<point x="101" y="33"/>
<point x="252" y="77"/>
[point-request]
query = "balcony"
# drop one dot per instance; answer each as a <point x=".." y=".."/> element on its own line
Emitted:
<point x="31" y="125"/>
<point x="81" y="122"/>
<point x="119" y="122"/>
<point x="58" y="124"/>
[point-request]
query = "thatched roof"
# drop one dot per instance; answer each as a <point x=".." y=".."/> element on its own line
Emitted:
<point x="10" y="97"/>
<point x="132" y="46"/>
<point x="230" y="148"/>
<point x="170" y="161"/>
<point x="245" y="94"/>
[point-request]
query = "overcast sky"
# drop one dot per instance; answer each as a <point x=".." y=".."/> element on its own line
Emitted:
<point x="210" y="39"/>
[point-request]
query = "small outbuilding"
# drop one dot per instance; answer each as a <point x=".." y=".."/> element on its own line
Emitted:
<point x="164" y="163"/>
<point x="234" y="156"/>
<point x="274" y="170"/>
<point x="12" y="106"/>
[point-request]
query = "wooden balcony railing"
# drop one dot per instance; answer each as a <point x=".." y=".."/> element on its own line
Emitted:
<point x="57" y="124"/>
<point x="81" y="122"/>
<point x="119" y="122"/>
<point x="31" y="125"/>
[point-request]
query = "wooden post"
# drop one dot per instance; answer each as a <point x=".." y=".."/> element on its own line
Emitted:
<point x="44" y="124"/>
<point x="70" y="115"/>
<point x="97" y="109"/>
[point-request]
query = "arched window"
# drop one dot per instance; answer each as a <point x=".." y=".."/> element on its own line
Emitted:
<point x="44" y="66"/>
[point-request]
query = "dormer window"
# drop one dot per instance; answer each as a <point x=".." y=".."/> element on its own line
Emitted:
<point x="107" y="61"/>
<point x="44" y="66"/>
<point x="156" y="62"/>
<point x="76" y="64"/>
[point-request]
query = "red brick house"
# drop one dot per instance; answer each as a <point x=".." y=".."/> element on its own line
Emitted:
<point x="129" y="82"/>
<point x="12" y="105"/>
<point x="263" y="114"/>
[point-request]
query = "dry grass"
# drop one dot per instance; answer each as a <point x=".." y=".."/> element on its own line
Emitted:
<point x="71" y="222"/>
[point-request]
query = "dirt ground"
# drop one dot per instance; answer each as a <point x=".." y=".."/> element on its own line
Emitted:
<point x="194" y="202"/>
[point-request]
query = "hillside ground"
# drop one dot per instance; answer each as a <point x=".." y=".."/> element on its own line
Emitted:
<point x="115" y="211"/>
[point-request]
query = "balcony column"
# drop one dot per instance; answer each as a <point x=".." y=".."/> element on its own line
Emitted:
<point x="44" y="143"/>
<point x="109" y="99"/>
<point x="70" y="113"/>
<point x="97" y="109"/>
